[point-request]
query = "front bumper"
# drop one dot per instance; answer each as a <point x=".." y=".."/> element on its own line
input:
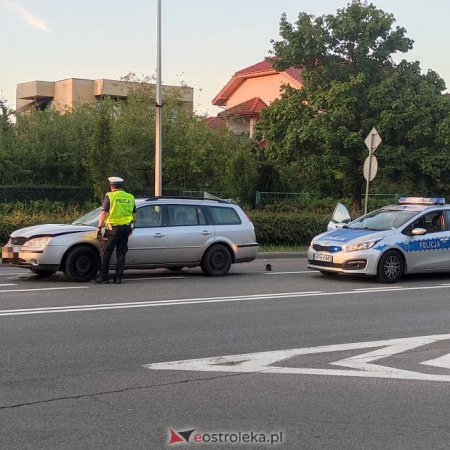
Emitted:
<point x="363" y="262"/>
<point x="47" y="258"/>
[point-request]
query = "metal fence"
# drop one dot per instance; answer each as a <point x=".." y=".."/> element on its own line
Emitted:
<point x="303" y="198"/>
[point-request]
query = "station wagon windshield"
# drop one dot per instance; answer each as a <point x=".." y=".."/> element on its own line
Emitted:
<point x="382" y="220"/>
<point x="91" y="218"/>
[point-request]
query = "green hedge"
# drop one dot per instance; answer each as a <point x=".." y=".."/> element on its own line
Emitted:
<point x="288" y="230"/>
<point x="294" y="229"/>
<point x="65" y="194"/>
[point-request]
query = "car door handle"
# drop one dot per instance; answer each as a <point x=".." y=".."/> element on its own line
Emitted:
<point x="206" y="232"/>
<point x="158" y="235"/>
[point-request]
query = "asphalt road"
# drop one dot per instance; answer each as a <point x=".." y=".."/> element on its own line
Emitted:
<point x="287" y="355"/>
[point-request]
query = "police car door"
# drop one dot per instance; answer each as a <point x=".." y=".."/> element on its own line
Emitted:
<point x="429" y="251"/>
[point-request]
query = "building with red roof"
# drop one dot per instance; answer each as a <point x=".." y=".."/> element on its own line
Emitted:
<point x="251" y="90"/>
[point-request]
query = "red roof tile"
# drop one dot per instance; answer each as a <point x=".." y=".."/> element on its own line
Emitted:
<point x="215" y="122"/>
<point x="249" y="108"/>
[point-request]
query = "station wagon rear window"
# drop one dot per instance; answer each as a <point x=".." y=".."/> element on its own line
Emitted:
<point x="224" y="216"/>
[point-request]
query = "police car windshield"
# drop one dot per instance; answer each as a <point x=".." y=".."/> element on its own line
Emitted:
<point x="91" y="218"/>
<point x="382" y="220"/>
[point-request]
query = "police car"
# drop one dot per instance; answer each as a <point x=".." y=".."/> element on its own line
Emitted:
<point x="410" y="237"/>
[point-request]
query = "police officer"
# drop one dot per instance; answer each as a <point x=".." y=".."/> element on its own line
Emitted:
<point x="117" y="214"/>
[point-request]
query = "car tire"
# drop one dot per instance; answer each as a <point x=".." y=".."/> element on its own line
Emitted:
<point x="82" y="264"/>
<point x="390" y="267"/>
<point x="216" y="261"/>
<point x="43" y="273"/>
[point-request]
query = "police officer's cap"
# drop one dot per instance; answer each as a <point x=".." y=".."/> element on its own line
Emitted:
<point x="115" y="180"/>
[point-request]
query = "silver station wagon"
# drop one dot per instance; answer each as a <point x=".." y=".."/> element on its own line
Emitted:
<point x="410" y="237"/>
<point x="169" y="232"/>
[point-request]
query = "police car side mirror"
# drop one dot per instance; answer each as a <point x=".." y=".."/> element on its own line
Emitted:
<point x="418" y="231"/>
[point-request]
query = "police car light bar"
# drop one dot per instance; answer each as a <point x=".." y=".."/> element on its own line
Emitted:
<point x="421" y="201"/>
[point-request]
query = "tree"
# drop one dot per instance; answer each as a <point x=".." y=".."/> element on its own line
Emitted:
<point x="100" y="152"/>
<point x="6" y="137"/>
<point x="351" y="84"/>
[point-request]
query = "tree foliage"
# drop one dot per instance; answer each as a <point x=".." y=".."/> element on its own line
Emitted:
<point x="351" y="84"/>
<point x="83" y="146"/>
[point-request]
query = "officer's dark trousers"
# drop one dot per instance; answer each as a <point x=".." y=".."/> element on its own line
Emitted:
<point x="117" y="238"/>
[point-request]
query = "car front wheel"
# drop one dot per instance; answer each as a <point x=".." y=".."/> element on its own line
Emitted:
<point x="390" y="267"/>
<point x="216" y="261"/>
<point x="82" y="264"/>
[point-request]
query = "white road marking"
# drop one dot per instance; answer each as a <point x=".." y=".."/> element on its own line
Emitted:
<point x="284" y="273"/>
<point x="443" y="361"/>
<point x="154" y="278"/>
<point x="44" y="289"/>
<point x="185" y="301"/>
<point x="13" y="273"/>
<point x="361" y="365"/>
<point x="379" y="288"/>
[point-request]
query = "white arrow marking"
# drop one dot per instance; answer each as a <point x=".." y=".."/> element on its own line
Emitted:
<point x="361" y="365"/>
<point x="443" y="361"/>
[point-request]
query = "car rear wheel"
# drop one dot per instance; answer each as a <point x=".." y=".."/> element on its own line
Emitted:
<point x="390" y="267"/>
<point x="216" y="261"/>
<point x="82" y="264"/>
<point x="43" y="273"/>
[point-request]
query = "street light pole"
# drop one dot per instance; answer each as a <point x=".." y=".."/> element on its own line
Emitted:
<point x="158" y="108"/>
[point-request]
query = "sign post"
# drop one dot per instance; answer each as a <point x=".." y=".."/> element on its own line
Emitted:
<point x="372" y="141"/>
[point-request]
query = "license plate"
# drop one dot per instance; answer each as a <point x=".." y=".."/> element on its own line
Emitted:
<point x="10" y="254"/>
<point x="323" y="257"/>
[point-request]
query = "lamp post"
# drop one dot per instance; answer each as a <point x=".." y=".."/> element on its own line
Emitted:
<point x="158" y="107"/>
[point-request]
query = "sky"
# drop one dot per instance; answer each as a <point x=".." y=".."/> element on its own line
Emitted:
<point x="204" y="42"/>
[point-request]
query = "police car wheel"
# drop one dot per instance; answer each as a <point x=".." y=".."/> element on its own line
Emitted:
<point x="216" y="261"/>
<point x="81" y="264"/>
<point x="390" y="267"/>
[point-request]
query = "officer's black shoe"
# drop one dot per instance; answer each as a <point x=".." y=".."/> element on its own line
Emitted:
<point x="117" y="280"/>
<point x="102" y="281"/>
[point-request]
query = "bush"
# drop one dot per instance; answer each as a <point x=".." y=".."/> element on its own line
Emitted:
<point x="289" y="230"/>
<point x="19" y="215"/>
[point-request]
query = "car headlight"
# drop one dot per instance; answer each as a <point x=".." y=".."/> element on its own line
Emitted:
<point x="38" y="242"/>
<point x="361" y="245"/>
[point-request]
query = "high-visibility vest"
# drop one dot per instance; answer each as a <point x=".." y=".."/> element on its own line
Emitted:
<point x="121" y="206"/>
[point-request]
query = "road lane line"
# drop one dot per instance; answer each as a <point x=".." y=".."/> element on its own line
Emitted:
<point x="44" y="289"/>
<point x="14" y="273"/>
<point x="379" y="288"/>
<point x="154" y="278"/>
<point x="194" y="301"/>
